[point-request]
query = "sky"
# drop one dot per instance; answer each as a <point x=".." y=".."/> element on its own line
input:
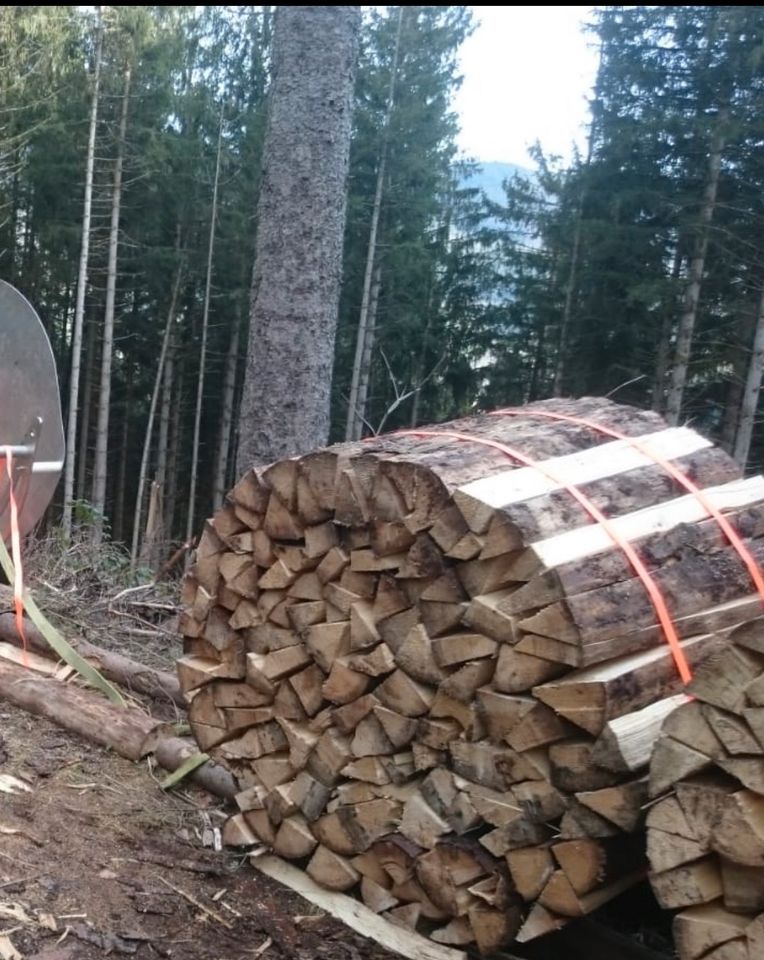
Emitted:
<point x="527" y="72"/>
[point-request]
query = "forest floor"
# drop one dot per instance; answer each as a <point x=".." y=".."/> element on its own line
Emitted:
<point x="97" y="860"/>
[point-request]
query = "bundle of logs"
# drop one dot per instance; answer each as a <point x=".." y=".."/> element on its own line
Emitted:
<point x="706" y="835"/>
<point x="437" y="678"/>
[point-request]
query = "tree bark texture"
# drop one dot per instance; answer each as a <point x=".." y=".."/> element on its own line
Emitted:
<point x="79" y="310"/>
<point x="751" y="392"/>
<point x="686" y="327"/>
<point x="104" y="393"/>
<point x="301" y="217"/>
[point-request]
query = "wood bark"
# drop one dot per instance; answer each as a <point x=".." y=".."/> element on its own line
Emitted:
<point x="82" y="279"/>
<point x="87" y="364"/>
<point x="100" y="461"/>
<point x="666" y="333"/>
<point x="372" y="274"/>
<point x="223" y="451"/>
<point x="301" y="217"/>
<point x="190" y="512"/>
<point x="751" y="391"/>
<point x="145" y="456"/>
<point x="686" y="325"/>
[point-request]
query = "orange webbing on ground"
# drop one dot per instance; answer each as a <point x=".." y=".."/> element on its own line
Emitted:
<point x="681" y="478"/>
<point x="653" y="591"/>
<point x="18" y="577"/>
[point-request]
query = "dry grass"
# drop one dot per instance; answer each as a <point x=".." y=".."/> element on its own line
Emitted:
<point x="92" y="593"/>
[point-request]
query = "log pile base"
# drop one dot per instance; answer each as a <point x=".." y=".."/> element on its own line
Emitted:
<point x="354" y="914"/>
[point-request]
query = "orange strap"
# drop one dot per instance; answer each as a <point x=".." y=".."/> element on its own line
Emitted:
<point x="18" y="578"/>
<point x="681" y="478"/>
<point x="653" y="591"/>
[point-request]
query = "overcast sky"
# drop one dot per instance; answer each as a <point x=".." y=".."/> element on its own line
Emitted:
<point x="527" y="73"/>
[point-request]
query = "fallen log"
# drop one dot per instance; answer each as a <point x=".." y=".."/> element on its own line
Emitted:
<point x="128" y="731"/>
<point x="133" y="676"/>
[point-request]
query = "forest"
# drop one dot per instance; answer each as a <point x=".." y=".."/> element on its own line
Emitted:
<point x="130" y="168"/>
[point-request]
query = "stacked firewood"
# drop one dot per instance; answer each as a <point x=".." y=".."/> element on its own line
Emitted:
<point x="437" y="679"/>
<point x="706" y="835"/>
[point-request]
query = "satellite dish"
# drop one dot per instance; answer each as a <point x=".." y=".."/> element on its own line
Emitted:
<point x="30" y="412"/>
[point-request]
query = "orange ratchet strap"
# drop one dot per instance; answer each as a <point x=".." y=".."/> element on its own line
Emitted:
<point x="653" y="591"/>
<point x="681" y="478"/>
<point x="18" y="578"/>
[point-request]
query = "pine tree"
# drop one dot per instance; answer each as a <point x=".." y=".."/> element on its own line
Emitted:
<point x="296" y="286"/>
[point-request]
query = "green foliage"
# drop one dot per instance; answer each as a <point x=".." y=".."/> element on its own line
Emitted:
<point x="473" y="294"/>
<point x="668" y="77"/>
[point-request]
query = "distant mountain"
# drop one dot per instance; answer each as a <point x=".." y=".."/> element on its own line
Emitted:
<point x="490" y="177"/>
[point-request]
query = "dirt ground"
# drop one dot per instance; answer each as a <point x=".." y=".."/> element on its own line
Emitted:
<point x="96" y="860"/>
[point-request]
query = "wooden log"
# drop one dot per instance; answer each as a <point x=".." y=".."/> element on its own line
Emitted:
<point x="688" y="885"/>
<point x="330" y="870"/>
<point x="130" y="674"/>
<point x="743" y="887"/>
<point x="572" y="768"/>
<point x="122" y="729"/>
<point x="659" y="532"/>
<point x="626" y="743"/>
<point x="612" y="472"/>
<point x="613" y="611"/>
<point x="128" y="731"/>
<point x="738" y="833"/>
<point x="725" y="678"/>
<point x="708" y="620"/>
<point x="591" y="697"/>
<point x="518" y="672"/>
<point x="622" y="805"/>
<point x="559" y="891"/>
<point x="354" y="914"/>
<point x="416" y="657"/>
<point x="530" y="869"/>
<point x="702" y="928"/>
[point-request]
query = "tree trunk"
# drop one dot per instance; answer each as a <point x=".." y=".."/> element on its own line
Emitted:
<point x="176" y="432"/>
<point x="538" y="366"/>
<point x="697" y="264"/>
<point x="82" y="279"/>
<point x="128" y="731"/>
<point x="164" y="417"/>
<point x="420" y="367"/>
<point x="86" y="409"/>
<point x="298" y="260"/>
<point x="420" y="374"/>
<point x="119" y="506"/>
<point x="751" y="392"/>
<point x="130" y="674"/>
<point x="664" y="344"/>
<point x="226" y="419"/>
<point x="144" y="468"/>
<point x="104" y="395"/>
<point x="203" y="350"/>
<point x="363" y="350"/>
<point x="368" y="349"/>
<point x="738" y="355"/>
<point x="567" y="310"/>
